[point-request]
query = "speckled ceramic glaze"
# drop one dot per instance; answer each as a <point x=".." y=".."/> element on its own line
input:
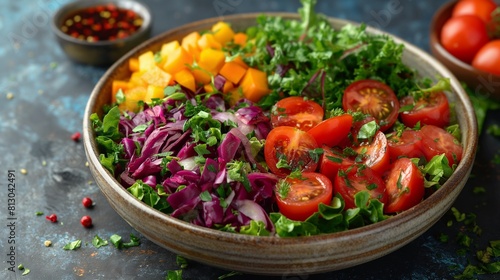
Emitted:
<point x="481" y="82"/>
<point x="274" y="255"/>
<point x="102" y="53"/>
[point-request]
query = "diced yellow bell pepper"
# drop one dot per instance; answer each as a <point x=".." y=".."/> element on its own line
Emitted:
<point x="153" y="92"/>
<point x="157" y="77"/>
<point x="222" y="32"/>
<point x="132" y="98"/>
<point x="146" y="61"/>
<point x="208" y="41"/>
<point x="168" y="48"/>
<point x="212" y="60"/>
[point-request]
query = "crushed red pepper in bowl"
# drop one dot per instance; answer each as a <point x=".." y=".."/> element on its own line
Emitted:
<point x="102" y="23"/>
<point x="99" y="32"/>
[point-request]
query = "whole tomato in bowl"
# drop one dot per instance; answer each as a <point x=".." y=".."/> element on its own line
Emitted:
<point x="462" y="37"/>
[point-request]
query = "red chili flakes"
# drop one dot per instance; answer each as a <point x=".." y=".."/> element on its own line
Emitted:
<point x="76" y="136"/>
<point x="102" y="23"/>
<point x="52" y="218"/>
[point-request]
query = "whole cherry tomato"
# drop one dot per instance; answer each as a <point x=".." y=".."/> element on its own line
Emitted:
<point x="463" y="36"/>
<point x="488" y="58"/>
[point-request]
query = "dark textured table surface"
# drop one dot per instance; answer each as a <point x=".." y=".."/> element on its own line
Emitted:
<point x="42" y="100"/>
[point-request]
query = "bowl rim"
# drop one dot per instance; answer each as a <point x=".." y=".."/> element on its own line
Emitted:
<point x="435" y="40"/>
<point x="141" y="8"/>
<point x="463" y="169"/>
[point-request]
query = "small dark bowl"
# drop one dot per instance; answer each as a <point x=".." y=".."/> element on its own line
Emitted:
<point x="100" y="53"/>
<point x="483" y="83"/>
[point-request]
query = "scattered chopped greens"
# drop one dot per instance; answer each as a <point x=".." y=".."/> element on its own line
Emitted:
<point x="74" y="245"/>
<point x="174" y="275"/>
<point x="99" y="242"/>
<point x="117" y="241"/>
<point x="181" y="261"/>
<point x="228" y="275"/>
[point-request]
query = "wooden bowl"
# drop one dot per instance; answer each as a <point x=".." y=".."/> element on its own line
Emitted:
<point x="481" y="82"/>
<point x="275" y="255"/>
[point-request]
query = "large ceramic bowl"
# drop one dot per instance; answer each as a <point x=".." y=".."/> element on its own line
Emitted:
<point x="274" y="255"/>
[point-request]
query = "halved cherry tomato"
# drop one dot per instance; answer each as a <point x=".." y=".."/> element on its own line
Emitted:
<point x="303" y="195"/>
<point x="408" y="145"/>
<point x="374" y="98"/>
<point x="297" y="112"/>
<point x="288" y="149"/>
<point x="352" y="137"/>
<point x="488" y="58"/>
<point x="331" y="160"/>
<point x="376" y="154"/>
<point x="480" y="8"/>
<point x="332" y="131"/>
<point x="437" y="141"/>
<point x="404" y="186"/>
<point x="355" y="178"/>
<point x="430" y="109"/>
<point x="463" y="36"/>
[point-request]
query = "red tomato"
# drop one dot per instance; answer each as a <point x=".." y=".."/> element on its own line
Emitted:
<point x="437" y="141"/>
<point x="331" y="160"/>
<point x="430" y="109"/>
<point x="374" y="98"/>
<point x="332" y="131"/>
<point x="404" y="186"/>
<point x="355" y="178"/>
<point x="488" y="58"/>
<point x="290" y="149"/>
<point x="297" y="112"/>
<point x="480" y="8"/>
<point x="303" y="195"/>
<point x="376" y="154"/>
<point x="352" y="137"/>
<point x="463" y="36"/>
<point x="409" y="145"/>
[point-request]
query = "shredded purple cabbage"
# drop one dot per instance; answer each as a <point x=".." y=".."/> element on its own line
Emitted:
<point x="194" y="189"/>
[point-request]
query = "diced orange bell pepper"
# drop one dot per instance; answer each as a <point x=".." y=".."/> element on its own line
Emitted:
<point x="232" y="71"/>
<point x="157" y="77"/>
<point x="202" y="76"/>
<point x="117" y="85"/>
<point x="190" y="44"/>
<point x="222" y="32"/>
<point x="133" y="64"/>
<point x="209" y="88"/>
<point x="177" y="60"/>
<point x="240" y="61"/>
<point x="228" y="86"/>
<point x="240" y="38"/>
<point x="186" y="79"/>
<point x="254" y="85"/>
